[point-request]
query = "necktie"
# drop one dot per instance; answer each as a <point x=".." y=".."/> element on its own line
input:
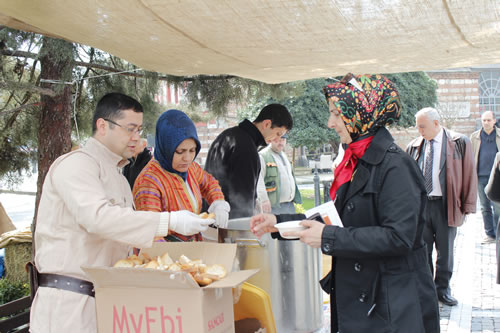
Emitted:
<point x="429" y="157"/>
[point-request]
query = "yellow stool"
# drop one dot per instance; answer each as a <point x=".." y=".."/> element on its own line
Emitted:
<point x="255" y="303"/>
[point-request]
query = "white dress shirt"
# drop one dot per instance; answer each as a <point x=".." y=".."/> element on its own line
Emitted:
<point x="436" y="162"/>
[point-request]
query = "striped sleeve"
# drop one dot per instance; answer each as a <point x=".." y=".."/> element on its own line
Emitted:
<point x="148" y="193"/>
<point x="209" y="186"/>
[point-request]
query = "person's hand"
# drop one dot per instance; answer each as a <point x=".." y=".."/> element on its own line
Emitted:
<point x="311" y="236"/>
<point x="335" y="164"/>
<point x="262" y="224"/>
<point x="188" y="223"/>
<point x="221" y="210"/>
<point x="266" y="206"/>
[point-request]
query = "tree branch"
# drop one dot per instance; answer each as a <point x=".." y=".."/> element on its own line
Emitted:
<point x="26" y="86"/>
<point x="116" y="70"/>
<point x="19" y="108"/>
<point x="23" y="54"/>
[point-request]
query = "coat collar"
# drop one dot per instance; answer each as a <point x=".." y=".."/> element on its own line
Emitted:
<point x="376" y="152"/>
<point x="104" y="154"/>
<point x="450" y="135"/>
<point x="374" y="155"/>
<point x="252" y="130"/>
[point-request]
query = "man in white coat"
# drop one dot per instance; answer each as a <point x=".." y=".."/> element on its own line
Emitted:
<point x="86" y="218"/>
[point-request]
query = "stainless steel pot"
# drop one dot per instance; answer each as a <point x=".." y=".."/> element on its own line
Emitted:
<point x="289" y="273"/>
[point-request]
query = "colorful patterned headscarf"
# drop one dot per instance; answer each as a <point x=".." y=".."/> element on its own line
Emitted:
<point x="172" y="128"/>
<point x="365" y="102"/>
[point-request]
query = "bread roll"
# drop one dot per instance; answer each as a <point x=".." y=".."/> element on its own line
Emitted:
<point x="152" y="264"/>
<point x="183" y="260"/>
<point x="202" y="268"/>
<point x="124" y="263"/>
<point x="146" y="256"/>
<point x="165" y="260"/>
<point x="136" y="260"/>
<point x="174" y="267"/>
<point x="202" y="280"/>
<point x="188" y="268"/>
<point x="216" y="270"/>
<point x="206" y="215"/>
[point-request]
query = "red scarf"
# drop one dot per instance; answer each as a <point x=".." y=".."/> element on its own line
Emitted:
<point x="344" y="171"/>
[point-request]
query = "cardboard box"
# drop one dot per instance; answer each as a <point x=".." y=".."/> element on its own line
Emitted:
<point x="133" y="300"/>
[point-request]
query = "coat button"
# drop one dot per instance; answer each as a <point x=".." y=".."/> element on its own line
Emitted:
<point x="350" y="207"/>
<point x="357" y="267"/>
<point x="362" y="297"/>
<point x="326" y="248"/>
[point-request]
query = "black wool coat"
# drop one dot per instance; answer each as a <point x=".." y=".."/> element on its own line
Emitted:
<point x="380" y="279"/>
<point x="492" y="190"/>
<point x="233" y="159"/>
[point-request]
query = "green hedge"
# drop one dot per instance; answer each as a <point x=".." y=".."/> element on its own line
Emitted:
<point x="10" y="291"/>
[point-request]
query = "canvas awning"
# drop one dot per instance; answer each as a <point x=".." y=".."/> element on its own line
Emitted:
<point x="273" y="40"/>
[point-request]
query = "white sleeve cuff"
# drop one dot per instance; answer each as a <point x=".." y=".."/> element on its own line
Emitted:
<point x="163" y="225"/>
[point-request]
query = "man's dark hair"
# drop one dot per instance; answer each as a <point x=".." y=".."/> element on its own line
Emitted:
<point x="111" y="105"/>
<point x="278" y="114"/>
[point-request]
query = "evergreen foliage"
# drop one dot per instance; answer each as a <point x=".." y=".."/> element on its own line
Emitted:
<point x="18" y="124"/>
<point x="310" y="111"/>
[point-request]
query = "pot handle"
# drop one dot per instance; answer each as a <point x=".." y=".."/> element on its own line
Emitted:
<point x="249" y="242"/>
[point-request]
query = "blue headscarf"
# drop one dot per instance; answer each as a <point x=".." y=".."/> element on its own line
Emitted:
<point x="172" y="128"/>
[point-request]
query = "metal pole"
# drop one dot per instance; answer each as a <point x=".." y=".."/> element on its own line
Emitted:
<point x="326" y="190"/>
<point x="317" y="194"/>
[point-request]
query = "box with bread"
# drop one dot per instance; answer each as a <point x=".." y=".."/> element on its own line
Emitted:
<point x="171" y="287"/>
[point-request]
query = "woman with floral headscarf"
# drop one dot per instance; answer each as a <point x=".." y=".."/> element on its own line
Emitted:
<point x="380" y="280"/>
<point x="173" y="182"/>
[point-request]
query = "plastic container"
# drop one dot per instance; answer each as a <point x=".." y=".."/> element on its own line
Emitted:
<point x="255" y="303"/>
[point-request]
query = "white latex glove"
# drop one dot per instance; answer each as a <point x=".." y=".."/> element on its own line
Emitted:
<point x="188" y="223"/>
<point x="221" y="210"/>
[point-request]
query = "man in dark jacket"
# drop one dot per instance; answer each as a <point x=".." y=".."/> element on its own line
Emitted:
<point x="141" y="157"/>
<point x="447" y="162"/>
<point x="234" y="160"/>
<point x="485" y="145"/>
<point x="492" y="190"/>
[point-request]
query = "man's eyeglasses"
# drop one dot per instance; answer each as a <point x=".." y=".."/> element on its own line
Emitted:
<point x="131" y="130"/>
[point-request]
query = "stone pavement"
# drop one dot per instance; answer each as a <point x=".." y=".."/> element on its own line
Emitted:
<point x="473" y="283"/>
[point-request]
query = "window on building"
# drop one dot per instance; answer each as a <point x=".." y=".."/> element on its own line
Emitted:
<point x="489" y="92"/>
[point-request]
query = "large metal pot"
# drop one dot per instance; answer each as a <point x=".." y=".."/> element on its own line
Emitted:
<point x="289" y="273"/>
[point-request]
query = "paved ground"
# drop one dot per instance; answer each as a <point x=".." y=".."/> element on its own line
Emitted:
<point x="473" y="283"/>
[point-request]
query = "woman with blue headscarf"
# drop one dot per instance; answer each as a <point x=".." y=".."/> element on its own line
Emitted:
<point x="173" y="182"/>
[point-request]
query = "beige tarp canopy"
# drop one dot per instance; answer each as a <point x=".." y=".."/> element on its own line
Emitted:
<point x="273" y="40"/>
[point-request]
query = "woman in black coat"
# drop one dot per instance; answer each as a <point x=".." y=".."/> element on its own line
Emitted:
<point x="493" y="192"/>
<point x="380" y="279"/>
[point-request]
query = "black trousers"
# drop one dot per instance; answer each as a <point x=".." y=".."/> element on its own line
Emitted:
<point x="438" y="233"/>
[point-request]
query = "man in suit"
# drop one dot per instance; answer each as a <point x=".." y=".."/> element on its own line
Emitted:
<point x="485" y="144"/>
<point x="447" y="163"/>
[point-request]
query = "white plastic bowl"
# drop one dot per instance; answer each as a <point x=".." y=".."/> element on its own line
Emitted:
<point x="288" y="227"/>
